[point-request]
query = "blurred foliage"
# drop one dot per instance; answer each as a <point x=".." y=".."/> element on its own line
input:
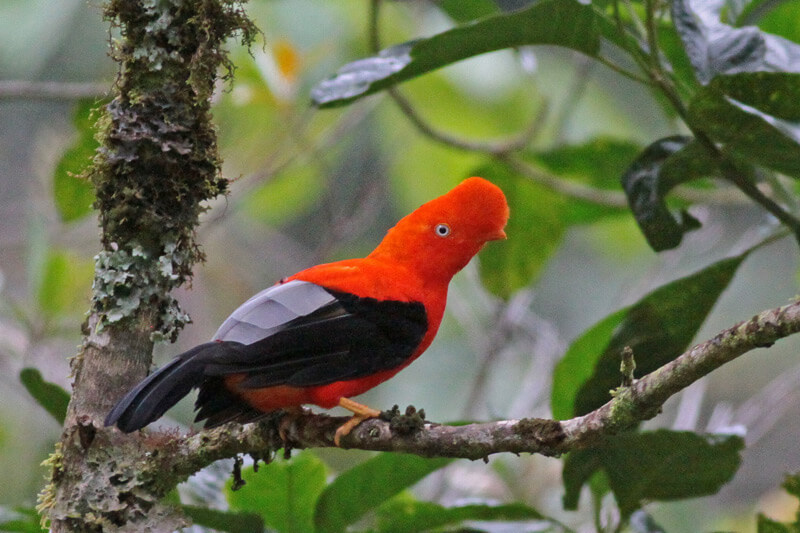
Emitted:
<point x="592" y="130"/>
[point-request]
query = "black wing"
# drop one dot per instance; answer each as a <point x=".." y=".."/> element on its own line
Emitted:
<point x="333" y="336"/>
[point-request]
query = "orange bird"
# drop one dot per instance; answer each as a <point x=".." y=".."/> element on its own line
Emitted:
<point x="332" y="331"/>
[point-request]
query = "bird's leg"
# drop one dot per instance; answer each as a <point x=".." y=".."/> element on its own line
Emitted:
<point x="360" y="413"/>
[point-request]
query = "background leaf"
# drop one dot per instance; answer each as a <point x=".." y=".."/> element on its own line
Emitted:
<point x="668" y="465"/>
<point x="52" y="397"/>
<point x="364" y="487"/>
<point x="658" y="328"/>
<point x="660" y="167"/>
<point x="65" y="284"/>
<point x="73" y="193"/>
<point x="406" y="515"/>
<point x="565" y="23"/>
<point x="717" y="48"/>
<point x="283" y="493"/>
<point x="534" y="231"/>
<point x="224" y="520"/>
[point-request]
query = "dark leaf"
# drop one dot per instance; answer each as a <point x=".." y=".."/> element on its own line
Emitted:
<point x="565" y="23"/>
<point x="579" y="467"/>
<point x="660" y="167"/>
<point x="461" y="11"/>
<point x="753" y="116"/>
<point x="366" y="486"/>
<point x="717" y="48"/>
<point x="224" y="520"/>
<point x="767" y="525"/>
<point x="73" y="194"/>
<point x="655" y="465"/>
<point x="578" y="365"/>
<point x="283" y="493"/>
<point x="668" y="465"/>
<point x="658" y="328"/>
<point x="405" y="515"/>
<point x="52" y="397"/>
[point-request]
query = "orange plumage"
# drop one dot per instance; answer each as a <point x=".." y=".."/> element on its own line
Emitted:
<point x="332" y="331"/>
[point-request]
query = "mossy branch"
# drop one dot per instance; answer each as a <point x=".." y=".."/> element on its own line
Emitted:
<point x="632" y="404"/>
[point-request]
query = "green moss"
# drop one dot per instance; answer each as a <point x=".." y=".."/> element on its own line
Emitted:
<point x="158" y="162"/>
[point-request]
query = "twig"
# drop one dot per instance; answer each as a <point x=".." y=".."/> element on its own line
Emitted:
<point x="574" y="189"/>
<point x="51" y="90"/>
<point x="641" y="401"/>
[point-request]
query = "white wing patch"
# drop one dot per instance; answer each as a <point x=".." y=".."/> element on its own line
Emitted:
<point x="270" y="309"/>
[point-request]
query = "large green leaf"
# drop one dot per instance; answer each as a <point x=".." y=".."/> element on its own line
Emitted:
<point x="660" y="167"/>
<point x="20" y="520"/>
<point x="65" y="287"/>
<point x="224" y="520"/>
<point x="73" y="193"/>
<point x="717" y="48"/>
<point x="283" y="493"/>
<point x="669" y="465"/>
<point x="658" y="328"/>
<point x="568" y="23"/>
<point x="655" y="465"/>
<point x="406" y="515"/>
<point x="366" y="486"/>
<point x="52" y="397"/>
<point x="461" y="11"/>
<point x="578" y="364"/>
<point x="753" y="116"/>
<point x="534" y="232"/>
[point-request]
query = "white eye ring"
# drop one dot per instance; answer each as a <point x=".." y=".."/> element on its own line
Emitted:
<point x="442" y="230"/>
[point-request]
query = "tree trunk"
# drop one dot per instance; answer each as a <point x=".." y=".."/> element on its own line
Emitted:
<point x="157" y="164"/>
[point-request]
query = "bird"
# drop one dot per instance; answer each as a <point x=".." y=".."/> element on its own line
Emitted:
<point x="332" y="331"/>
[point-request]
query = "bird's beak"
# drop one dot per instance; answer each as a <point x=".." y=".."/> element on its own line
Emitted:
<point x="498" y="235"/>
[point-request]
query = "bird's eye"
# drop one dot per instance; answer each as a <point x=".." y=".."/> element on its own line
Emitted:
<point x="442" y="230"/>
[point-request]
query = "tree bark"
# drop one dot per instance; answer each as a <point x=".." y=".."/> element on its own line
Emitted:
<point x="157" y="164"/>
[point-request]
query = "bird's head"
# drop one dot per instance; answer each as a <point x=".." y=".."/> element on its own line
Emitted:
<point x="441" y="236"/>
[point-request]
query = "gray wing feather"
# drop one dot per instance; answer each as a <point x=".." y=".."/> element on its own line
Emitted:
<point x="270" y="309"/>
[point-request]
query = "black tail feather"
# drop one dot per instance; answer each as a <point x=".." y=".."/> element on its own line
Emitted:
<point x="162" y="389"/>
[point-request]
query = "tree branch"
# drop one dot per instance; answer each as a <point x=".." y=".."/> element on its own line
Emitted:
<point x="51" y="90"/>
<point x="640" y="401"/>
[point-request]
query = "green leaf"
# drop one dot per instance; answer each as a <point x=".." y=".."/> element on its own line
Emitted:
<point x="461" y="11"/>
<point x="660" y="167"/>
<point x="283" y="493"/>
<point x="767" y="525"/>
<point x="669" y="465"/>
<point x="364" y="487"/>
<point x="578" y="364"/>
<point x="406" y="515"/>
<point x="534" y="232"/>
<point x="66" y="284"/>
<point x="224" y="520"/>
<point x="598" y="163"/>
<point x="567" y="23"/>
<point x="656" y="465"/>
<point x="658" y="328"/>
<point x="579" y="467"/>
<point x="717" y="48"/>
<point x="782" y="20"/>
<point x="754" y="116"/>
<point x="52" y="397"/>
<point x="20" y="520"/>
<point x="72" y="192"/>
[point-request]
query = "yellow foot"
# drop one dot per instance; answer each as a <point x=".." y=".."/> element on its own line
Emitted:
<point x="360" y="413"/>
